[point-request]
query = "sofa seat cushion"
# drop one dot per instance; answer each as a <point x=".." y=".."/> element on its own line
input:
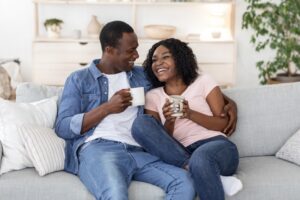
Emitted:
<point x="268" y="178"/>
<point x="26" y="184"/>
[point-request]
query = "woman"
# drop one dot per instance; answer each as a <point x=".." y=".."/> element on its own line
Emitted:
<point x="199" y="144"/>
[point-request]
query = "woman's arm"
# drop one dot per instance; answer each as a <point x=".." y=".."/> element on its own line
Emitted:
<point x="216" y="103"/>
<point x="230" y="110"/>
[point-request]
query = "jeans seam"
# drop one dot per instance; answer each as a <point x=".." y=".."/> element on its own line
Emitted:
<point x="165" y="171"/>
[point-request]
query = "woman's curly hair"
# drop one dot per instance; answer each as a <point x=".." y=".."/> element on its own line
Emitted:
<point x="184" y="58"/>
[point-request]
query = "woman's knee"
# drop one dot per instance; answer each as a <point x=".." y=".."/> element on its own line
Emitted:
<point x="144" y="125"/>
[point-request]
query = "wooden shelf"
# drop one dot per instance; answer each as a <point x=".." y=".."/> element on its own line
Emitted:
<point x="90" y="39"/>
<point x="150" y="3"/>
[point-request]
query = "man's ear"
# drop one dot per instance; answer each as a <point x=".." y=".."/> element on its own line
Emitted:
<point x="109" y="50"/>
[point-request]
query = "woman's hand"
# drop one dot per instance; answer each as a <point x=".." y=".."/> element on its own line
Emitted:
<point x="230" y="110"/>
<point x="186" y="110"/>
<point x="167" y="111"/>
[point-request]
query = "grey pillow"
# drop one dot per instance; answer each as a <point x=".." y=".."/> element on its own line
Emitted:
<point x="290" y="151"/>
<point x="29" y="92"/>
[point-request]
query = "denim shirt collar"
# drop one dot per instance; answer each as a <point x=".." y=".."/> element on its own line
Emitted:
<point x="96" y="73"/>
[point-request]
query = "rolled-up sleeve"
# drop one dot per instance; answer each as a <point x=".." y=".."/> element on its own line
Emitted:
<point x="76" y="123"/>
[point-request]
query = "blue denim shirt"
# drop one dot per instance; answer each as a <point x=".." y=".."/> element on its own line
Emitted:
<point x="84" y="90"/>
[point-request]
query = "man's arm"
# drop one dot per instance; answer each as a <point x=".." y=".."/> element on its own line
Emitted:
<point x="72" y="122"/>
<point x="230" y="110"/>
<point x="117" y="103"/>
<point x="69" y="117"/>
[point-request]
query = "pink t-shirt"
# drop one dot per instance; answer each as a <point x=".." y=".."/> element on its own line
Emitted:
<point x="187" y="131"/>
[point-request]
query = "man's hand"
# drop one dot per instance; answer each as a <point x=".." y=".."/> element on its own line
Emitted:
<point x="119" y="101"/>
<point x="230" y="110"/>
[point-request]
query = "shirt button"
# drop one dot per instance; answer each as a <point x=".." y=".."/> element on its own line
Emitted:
<point x="105" y="92"/>
<point x="105" y="82"/>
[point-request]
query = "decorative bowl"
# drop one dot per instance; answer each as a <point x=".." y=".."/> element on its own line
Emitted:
<point x="159" y="31"/>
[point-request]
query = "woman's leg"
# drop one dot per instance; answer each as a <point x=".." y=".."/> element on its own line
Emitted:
<point x="151" y="135"/>
<point x="212" y="158"/>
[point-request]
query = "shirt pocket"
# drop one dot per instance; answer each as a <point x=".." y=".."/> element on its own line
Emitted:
<point x="89" y="101"/>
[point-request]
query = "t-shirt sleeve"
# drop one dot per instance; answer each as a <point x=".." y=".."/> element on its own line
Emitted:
<point x="209" y="84"/>
<point x="150" y="103"/>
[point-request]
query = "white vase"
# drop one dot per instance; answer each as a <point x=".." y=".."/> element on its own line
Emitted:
<point x="94" y="27"/>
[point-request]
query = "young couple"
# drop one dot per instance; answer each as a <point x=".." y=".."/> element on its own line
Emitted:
<point x="98" y="122"/>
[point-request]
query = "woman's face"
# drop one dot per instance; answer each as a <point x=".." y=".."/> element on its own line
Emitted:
<point x="163" y="64"/>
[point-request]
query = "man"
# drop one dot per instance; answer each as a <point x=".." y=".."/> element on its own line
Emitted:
<point x="95" y="118"/>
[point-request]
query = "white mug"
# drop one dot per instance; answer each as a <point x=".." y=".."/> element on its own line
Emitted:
<point x="138" y="96"/>
<point x="177" y="105"/>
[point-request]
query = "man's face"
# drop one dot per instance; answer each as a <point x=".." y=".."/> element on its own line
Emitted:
<point x="125" y="53"/>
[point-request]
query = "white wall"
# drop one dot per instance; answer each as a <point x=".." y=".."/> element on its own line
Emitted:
<point x="16" y="34"/>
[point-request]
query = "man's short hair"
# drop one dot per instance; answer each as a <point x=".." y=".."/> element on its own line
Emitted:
<point x="112" y="32"/>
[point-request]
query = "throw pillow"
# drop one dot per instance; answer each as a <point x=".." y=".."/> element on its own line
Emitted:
<point x="5" y="88"/>
<point x="290" y="151"/>
<point x="15" y="115"/>
<point x="44" y="148"/>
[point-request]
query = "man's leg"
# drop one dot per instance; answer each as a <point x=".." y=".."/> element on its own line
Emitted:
<point x="210" y="160"/>
<point x="106" y="169"/>
<point x="151" y="135"/>
<point x="176" y="182"/>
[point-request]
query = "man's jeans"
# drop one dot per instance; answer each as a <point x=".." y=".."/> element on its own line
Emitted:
<point x="107" y="168"/>
<point x="206" y="159"/>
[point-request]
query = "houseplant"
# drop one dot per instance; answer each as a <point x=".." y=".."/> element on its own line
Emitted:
<point x="276" y="26"/>
<point x="53" y="27"/>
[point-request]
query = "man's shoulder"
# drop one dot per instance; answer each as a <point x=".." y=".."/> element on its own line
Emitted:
<point x="80" y="74"/>
<point x="138" y="69"/>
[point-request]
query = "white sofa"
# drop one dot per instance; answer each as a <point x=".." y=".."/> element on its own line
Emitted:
<point x="267" y="117"/>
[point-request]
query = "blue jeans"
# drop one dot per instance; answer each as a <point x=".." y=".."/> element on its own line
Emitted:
<point x="107" y="168"/>
<point x="207" y="159"/>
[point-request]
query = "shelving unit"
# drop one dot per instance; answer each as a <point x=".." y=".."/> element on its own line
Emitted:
<point x="55" y="59"/>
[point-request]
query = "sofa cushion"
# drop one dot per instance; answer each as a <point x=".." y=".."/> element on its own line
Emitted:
<point x="45" y="148"/>
<point x="290" y="151"/>
<point x="61" y="186"/>
<point x="268" y="178"/>
<point x="15" y="115"/>
<point x="30" y="92"/>
<point x="267" y="117"/>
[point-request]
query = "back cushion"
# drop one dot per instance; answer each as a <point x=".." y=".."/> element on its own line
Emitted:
<point x="267" y="117"/>
<point x="29" y="92"/>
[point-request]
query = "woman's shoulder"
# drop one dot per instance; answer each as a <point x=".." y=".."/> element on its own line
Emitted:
<point x="155" y="91"/>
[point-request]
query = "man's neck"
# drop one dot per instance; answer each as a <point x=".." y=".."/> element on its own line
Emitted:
<point x="107" y="67"/>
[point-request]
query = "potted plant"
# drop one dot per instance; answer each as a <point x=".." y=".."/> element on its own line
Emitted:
<point x="53" y="27"/>
<point x="275" y="26"/>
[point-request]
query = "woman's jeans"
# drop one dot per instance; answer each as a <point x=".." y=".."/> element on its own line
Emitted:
<point x="207" y="159"/>
<point x="107" y="167"/>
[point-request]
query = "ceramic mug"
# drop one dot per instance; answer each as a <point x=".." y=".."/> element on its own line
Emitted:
<point x="177" y="105"/>
<point x="138" y="96"/>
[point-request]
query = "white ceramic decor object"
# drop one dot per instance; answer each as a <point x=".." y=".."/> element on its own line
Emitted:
<point x="94" y="27"/>
<point x="159" y="31"/>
